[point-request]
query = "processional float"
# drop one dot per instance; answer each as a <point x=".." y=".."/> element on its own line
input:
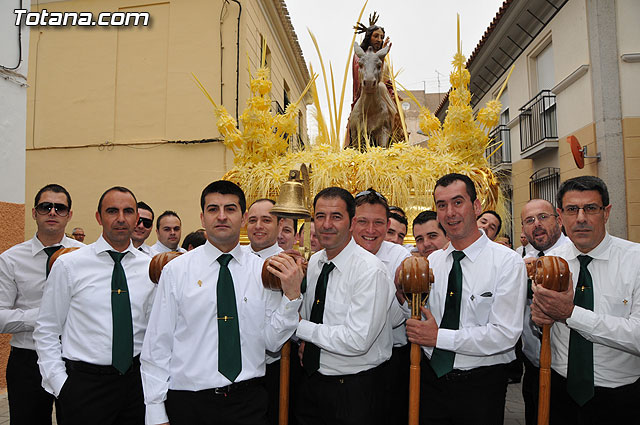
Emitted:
<point x="294" y="202"/>
<point x="551" y="273"/>
<point x="415" y="279"/>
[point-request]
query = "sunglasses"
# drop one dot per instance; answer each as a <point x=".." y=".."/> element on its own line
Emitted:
<point x="45" y="208"/>
<point x="146" y="222"/>
<point x="371" y="191"/>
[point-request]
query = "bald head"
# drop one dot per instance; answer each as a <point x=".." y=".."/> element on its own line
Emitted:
<point x="540" y="224"/>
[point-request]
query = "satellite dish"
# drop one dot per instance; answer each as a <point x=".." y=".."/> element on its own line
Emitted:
<point x="580" y="152"/>
<point x="576" y="151"/>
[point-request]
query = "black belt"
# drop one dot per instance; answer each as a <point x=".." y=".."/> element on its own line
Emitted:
<point x="94" y="369"/>
<point x="232" y="388"/>
<point x="16" y="351"/>
<point x="341" y="378"/>
<point x="463" y="375"/>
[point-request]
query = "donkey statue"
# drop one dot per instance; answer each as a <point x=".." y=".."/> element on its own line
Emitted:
<point x="373" y="114"/>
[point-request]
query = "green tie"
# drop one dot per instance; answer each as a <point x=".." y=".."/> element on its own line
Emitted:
<point x="311" y="357"/>
<point x="442" y="360"/>
<point x="49" y="251"/>
<point x="580" y="368"/>
<point x="122" y="345"/>
<point x="229" y="354"/>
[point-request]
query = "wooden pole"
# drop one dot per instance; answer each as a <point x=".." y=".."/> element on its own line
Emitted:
<point x="544" y="391"/>
<point x="285" y="357"/>
<point x="414" y="372"/>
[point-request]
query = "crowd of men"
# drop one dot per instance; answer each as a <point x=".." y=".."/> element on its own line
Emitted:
<point x="97" y="338"/>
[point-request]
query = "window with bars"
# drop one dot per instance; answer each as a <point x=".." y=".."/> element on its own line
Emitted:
<point x="544" y="184"/>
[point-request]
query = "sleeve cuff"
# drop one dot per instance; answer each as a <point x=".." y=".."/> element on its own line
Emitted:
<point x="57" y="382"/>
<point x="581" y="319"/>
<point x="305" y="330"/>
<point x="30" y="316"/>
<point x="290" y="305"/>
<point x="446" y="339"/>
<point x="156" y="414"/>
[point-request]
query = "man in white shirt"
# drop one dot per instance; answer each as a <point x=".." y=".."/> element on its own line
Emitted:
<point x="429" y="234"/>
<point x="524" y="245"/>
<point x="369" y="228"/>
<point x="212" y="321"/>
<point x="491" y="223"/>
<point x="143" y="228"/>
<point x="595" y="349"/>
<point x="23" y="272"/>
<point x="398" y="226"/>
<point x="474" y="315"/>
<point x="344" y="321"/>
<point x="169" y="232"/>
<point x="262" y="230"/>
<point x="286" y="233"/>
<point x="543" y="232"/>
<point x="92" y="321"/>
<point x="78" y="234"/>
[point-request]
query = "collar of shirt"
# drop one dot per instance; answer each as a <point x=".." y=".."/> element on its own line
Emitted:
<point x="267" y="252"/>
<point x="101" y="245"/>
<point x="600" y="252"/>
<point x="342" y="260"/>
<point x="37" y="246"/>
<point x="533" y="253"/>
<point x="472" y="251"/>
<point x="213" y="253"/>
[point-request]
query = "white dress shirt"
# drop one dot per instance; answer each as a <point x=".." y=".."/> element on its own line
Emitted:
<point x="491" y="309"/>
<point x="531" y="333"/>
<point x="147" y="250"/>
<point x="354" y="335"/>
<point x="76" y="306"/>
<point x="159" y="248"/>
<point x="392" y="255"/>
<point x="528" y="248"/>
<point x="180" y="350"/>
<point x="22" y="281"/>
<point x="614" y="324"/>
<point x="270" y="251"/>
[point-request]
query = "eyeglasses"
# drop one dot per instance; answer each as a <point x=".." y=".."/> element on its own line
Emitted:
<point x="77" y="234"/>
<point x="368" y="191"/>
<point x="541" y="218"/>
<point x="44" y="208"/>
<point x="589" y="209"/>
<point x="146" y="222"/>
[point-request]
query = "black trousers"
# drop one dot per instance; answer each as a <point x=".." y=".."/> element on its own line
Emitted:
<point x="530" y="389"/>
<point x="396" y="393"/>
<point x="609" y="406"/>
<point x="340" y="400"/>
<point x="29" y="403"/>
<point x="272" y="384"/>
<point x="100" y="395"/>
<point x="473" y="397"/>
<point x="244" y="404"/>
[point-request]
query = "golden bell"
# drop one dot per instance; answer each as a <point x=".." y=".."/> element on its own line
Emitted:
<point x="292" y="201"/>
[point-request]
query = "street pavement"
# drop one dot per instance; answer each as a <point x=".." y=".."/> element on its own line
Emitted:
<point x="513" y="411"/>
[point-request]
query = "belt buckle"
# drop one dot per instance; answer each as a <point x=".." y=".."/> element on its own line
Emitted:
<point x="222" y="391"/>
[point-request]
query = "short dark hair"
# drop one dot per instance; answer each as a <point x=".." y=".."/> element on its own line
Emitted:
<point x="262" y="200"/>
<point x="144" y="206"/>
<point x="52" y="187"/>
<point x="400" y="219"/>
<point x="195" y="239"/>
<point x="338" y="192"/>
<point x="447" y="179"/>
<point x="299" y="231"/>
<point x="496" y="215"/>
<point x="121" y="189"/>
<point x="426" y="216"/>
<point x="167" y="213"/>
<point x="295" y="223"/>
<point x="370" y="196"/>
<point x="581" y="184"/>
<point x="396" y="209"/>
<point x="224" y="187"/>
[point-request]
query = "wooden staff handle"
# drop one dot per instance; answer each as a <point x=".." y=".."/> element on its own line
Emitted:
<point x="552" y="273"/>
<point x="285" y="358"/>
<point x="414" y="378"/>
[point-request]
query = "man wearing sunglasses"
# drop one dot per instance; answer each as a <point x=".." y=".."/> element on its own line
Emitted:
<point x="595" y="349"/>
<point x="23" y="272"/>
<point x="143" y="229"/>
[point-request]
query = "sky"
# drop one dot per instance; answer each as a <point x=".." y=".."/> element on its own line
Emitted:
<point x="422" y="33"/>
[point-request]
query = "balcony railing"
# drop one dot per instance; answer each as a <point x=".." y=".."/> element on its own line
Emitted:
<point x="498" y="153"/>
<point x="544" y="183"/>
<point x="538" y="120"/>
